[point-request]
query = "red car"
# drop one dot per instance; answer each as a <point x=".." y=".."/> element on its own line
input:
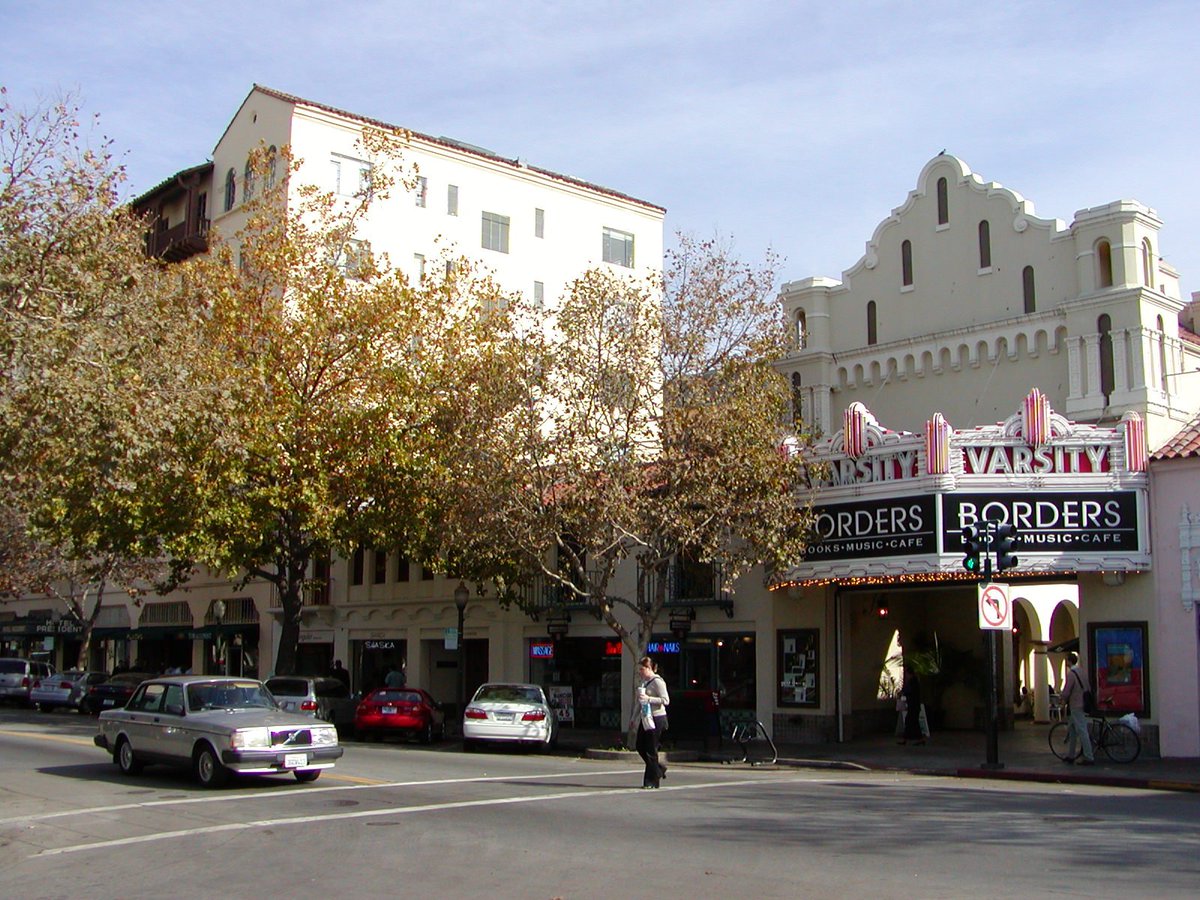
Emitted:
<point x="409" y="711"/>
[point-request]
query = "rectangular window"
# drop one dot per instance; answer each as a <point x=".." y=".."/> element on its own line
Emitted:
<point x="539" y="223"/>
<point x="422" y="190"/>
<point x="618" y="247"/>
<point x="452" y="199"/>
<point x="419" y="265"/>
<point x="356" y="566"/>
<point x="426" y="573"/>
<point x="402" y="568"/>
<point x="495" y="232"/>
<point x="355" y="257"/>
<point x="351" y="177"/>
<point x="380" y="573"/>
<point x="539" y="295"/>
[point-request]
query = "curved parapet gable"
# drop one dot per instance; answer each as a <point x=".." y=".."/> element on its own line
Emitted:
<point x="1022" y="209"/>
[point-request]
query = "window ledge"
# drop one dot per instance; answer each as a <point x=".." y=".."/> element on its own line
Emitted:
<point x="986" y="270"/>
<point x="945" y="226"/>
<point x="907" y="288"/>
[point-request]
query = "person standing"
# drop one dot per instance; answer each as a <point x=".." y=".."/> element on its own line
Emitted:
<point x="651" y="696"/>
<point x="1072" y="697"/>
<point x="912" y="707"/>
<point x="396" y="676"/>
<point x="340" y="673"/>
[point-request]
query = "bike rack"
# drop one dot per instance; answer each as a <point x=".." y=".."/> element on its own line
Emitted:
<point x="746" y="733"/>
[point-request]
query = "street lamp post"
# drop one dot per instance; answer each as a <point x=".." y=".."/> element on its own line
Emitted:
<point x="461" y="596"/>
<point x="218" y="611"/>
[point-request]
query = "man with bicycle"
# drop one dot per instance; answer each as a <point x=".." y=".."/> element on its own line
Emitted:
<point x="1072" y="698"/>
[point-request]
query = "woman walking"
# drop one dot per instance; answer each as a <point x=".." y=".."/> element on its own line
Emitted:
<point x="650" y="713"/>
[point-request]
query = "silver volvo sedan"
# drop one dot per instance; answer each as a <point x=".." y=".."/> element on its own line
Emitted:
<point x="215" y="726"/>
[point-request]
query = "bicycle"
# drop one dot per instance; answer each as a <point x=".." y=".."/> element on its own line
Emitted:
<point x="1119" y="742"/>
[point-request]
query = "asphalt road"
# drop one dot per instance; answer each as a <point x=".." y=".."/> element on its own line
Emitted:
<point x="397" y="820"/>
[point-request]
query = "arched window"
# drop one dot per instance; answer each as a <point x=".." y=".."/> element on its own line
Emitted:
<point x="1027" y="289"/>
<point x="801" y="332"/>
<point x="230" y="189"/>
<point x="248" y="180"/>
<point x="906" y="263"/>
<point x="1147" y="263"/>
<point x="272" y="166"/>
<point x="1104" y="326"/>
<point x="943" y="201"/>
<point x="985" y="245"/>
<point x="1104" y="273"/>
<point x="872" y="332"/>
<point x="797" y="400"/>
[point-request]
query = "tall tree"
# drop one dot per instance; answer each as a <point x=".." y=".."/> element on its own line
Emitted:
<point x="653" y="430"/>
<point x="342" y="375"/>
<point x="93" y="341"/>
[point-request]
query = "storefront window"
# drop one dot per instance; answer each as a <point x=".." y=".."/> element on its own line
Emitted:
<point x="590" y="668"/>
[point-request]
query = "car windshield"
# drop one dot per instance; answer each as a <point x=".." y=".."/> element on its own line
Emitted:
<point x="229" y="695"/>
<point x="509" y="693"/>
<point x="12" y="666"/>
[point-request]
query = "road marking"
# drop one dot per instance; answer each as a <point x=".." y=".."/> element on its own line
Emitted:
<point x="394" y="811"/>
<point x="58" y="738"/>
<point x="307" y="791"/>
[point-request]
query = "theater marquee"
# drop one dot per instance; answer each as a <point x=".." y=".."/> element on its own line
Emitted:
<point x="895" y="503"/>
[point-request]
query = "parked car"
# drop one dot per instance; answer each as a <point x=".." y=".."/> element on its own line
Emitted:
<point x="17" y="677"/>
<point x="215" y="726"/>
<point x="322" y="698"/>
<point x="409" y="711"/>
<point x="111" y="694"/>
<point x="509" y="712"/>
<point x="63" y="689"/>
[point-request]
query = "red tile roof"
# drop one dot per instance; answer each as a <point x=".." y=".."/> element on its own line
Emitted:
<point x="1185" y="443"/>
<point x="445" y="142"/>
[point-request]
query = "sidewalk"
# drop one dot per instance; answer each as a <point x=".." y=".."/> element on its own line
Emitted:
<point x="1024" y="755"/>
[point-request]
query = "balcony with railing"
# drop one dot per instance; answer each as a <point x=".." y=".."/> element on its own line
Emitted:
<point x="178" y="242"/>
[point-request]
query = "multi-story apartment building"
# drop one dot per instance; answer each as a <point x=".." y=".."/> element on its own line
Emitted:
<point x="533" y="229"/>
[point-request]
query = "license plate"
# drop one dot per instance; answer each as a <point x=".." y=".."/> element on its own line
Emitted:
<point x="108" y="702"/>
<point x="295" y="760"/>
<point x="388" y="710"/>
<point x="504" y="717"/>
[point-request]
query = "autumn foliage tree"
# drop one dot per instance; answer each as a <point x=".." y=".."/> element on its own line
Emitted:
<point x="651" y="432"/>
<point x="93" y="336"/>
<point x="343" y="379"/>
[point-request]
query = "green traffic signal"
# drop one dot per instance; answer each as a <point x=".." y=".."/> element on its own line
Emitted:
<point x="973" y="547"/>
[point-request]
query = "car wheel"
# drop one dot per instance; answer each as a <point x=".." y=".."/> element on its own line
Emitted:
<point x="426" y="736"/>
<point x="126" y="759"/>
<point x="209" y="770"/>
<point x="307" y="776"/>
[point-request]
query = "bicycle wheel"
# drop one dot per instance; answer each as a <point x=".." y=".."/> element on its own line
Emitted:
<point x="1121" y="743"/>
<point x="1058" y="740"/>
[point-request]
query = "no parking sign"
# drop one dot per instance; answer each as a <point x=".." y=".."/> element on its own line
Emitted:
<point x="995" y="608"/>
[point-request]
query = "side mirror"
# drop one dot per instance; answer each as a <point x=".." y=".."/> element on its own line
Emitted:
<point x="174" y="709"/>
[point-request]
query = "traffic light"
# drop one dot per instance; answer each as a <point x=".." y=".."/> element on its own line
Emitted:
<point x="973" y="547"/>
<point x="1006" y="536"/>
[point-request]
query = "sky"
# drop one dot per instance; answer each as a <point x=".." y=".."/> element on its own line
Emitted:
<point x="794" y="126"/>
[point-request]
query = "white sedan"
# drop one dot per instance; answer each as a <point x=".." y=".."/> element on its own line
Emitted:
<point x="513" y="713"/>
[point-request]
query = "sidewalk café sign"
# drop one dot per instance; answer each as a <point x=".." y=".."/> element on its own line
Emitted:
<point x="893" y="504"/>
<point x="995" y="607"/>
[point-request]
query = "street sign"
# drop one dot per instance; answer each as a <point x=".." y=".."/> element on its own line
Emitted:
<point x="995" y="609"/>
<point x="450" y="638"/>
